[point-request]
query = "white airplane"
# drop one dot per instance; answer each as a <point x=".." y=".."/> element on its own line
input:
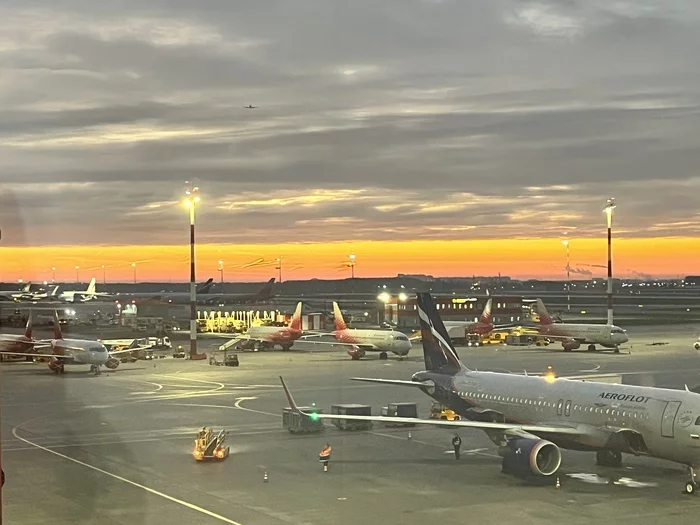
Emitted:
<point x="266" y="337"/>
<point x="531" y="418"/>
<point x="13" y="295"/>
<point x="361" y="341"/>
<point x="573" y="335"/>
<point x="90" y="294"/>
<point x="75" y="352"/>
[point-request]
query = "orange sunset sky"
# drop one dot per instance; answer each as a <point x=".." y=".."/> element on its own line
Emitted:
<point x="522" y="258"/>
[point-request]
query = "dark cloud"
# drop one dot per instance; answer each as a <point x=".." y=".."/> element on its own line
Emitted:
<point x="376" y="120"/>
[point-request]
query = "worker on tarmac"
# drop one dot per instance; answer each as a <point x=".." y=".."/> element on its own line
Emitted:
<point x="456" y="443"/>
<point x="325" y="456"/>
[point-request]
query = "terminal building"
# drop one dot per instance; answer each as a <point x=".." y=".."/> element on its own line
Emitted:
<point x="510" y="309"/>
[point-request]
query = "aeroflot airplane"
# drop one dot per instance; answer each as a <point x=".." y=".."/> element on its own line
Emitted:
<point x="531" y="418"/>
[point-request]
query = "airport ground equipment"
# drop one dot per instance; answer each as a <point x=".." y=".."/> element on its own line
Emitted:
<point x="352" y="410"/>
<point x="179" y="353"/>
<point x="210" y="445"/>
<point x="400" y="410"/>
<point x="439" y="411"/>
<point x="197" y="357"/>
<point x="227" y="360"/>
<point x="298" y="423"/>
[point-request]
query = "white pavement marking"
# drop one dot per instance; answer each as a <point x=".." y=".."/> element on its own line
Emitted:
<point x="236" y="406"/>
<point x="191" y="506"/>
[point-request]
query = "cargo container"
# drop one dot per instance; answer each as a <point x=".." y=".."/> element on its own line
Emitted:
<point x="298" y="423"/>
<point x="400" y="410"/>
<point x="352" y="410"/>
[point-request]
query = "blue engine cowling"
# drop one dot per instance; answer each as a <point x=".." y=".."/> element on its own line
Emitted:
<point x="531" y="458"/>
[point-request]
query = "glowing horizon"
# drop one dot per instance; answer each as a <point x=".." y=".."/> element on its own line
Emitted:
<point x="518" y="259"/>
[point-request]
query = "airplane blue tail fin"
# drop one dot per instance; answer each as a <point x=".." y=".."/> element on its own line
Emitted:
<point x="438" y="351"/>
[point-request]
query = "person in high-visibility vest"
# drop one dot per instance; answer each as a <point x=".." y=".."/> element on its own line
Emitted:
<point x="325" y="456"/>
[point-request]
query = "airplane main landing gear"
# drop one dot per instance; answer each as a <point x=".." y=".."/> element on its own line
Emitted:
<point x="609" y="458"/>
<point x="383" y="356"/>
<point x="691" y="485"/>
<point x="591" y="348"/>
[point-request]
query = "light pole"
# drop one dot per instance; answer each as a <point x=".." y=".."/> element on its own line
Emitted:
<point x="133" y="265"/>
<point x="221" y="271"/>
<point x="53" y="274"/>
<point x="77" y="274"/>
<point x="279" y="268"/>
<point x="565" y="242"/>
<point x="352" y="265"/>
<point x="191" y="200"/>
<point x="104" y="278"/>
<point x="610" y="206"/>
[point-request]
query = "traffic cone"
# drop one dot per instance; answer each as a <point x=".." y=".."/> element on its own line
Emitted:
<point x="265" y="478"/>
<point x="409" y="434"/>
<point x="558" y="484"/>
<point x="325" y="467"/>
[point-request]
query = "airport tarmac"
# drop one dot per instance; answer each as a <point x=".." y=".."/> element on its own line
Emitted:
<point x="117" y="448"/>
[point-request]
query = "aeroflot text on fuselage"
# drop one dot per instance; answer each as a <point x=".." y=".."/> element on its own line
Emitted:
<point x="624" y="397"/>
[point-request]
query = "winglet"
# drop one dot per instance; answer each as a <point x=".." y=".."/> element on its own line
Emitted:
<point x="290" y="399"/>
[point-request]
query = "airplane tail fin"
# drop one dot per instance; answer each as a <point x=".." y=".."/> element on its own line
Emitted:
<point x="54" y="292"/>
<point x="266" y="291"/>
<point x="340" y="323"/>
<point x="486" y="314"/>
<point x="542" y="312"/>
<point x="26" y="288"/>
<point x="438" y="351"/>
<point x="28" y="328"/>
<point x="91" y="287"/>
<point x="204" y="289"/>
<point x="295" y="324"/>
<point x="57" y="333"/>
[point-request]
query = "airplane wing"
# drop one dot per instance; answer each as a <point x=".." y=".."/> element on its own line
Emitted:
<point x="390" y="381"/>
<point x="127" y="350"/>
<point x="57" y="356"/>
<point x="364" y="346"/>
<point x="509" y="428"/>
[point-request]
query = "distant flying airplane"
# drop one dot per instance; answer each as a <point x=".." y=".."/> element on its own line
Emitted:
<point x="573" y="335"/>
<point x="361" y="341"/>
<point x="530" y="418"/>
<point x="250" y="106"/>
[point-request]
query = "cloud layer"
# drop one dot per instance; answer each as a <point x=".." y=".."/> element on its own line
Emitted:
<point x="376" y="120"/>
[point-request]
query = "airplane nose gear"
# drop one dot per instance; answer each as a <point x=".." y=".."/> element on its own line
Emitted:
<point x="692" y="485"/>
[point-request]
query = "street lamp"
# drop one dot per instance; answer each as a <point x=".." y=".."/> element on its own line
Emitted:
<point x="191" y="201"/>
<point x="221" y="270"/>
<point x="352" y="265"/>
<point x="104" y="279"/>
<point x="565" y="242"/>
<point x="279" y="268"/>
<point x="53" y="274"/>
<point x="608" y="210"/>
<point x="133" y="265"/>
<point x="77" y="274"/>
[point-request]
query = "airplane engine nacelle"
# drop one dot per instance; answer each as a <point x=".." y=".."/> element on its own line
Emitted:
<point x="697" y="345"/>
<point x="571" y="345"/>
<point x="528" y="458"/>
<point x="356" y="352"/>
<point x="112" y="363"/>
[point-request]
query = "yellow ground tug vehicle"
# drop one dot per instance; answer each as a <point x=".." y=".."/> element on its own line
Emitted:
<point x="438" y="411"/>
<point x="209" y="445"/>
